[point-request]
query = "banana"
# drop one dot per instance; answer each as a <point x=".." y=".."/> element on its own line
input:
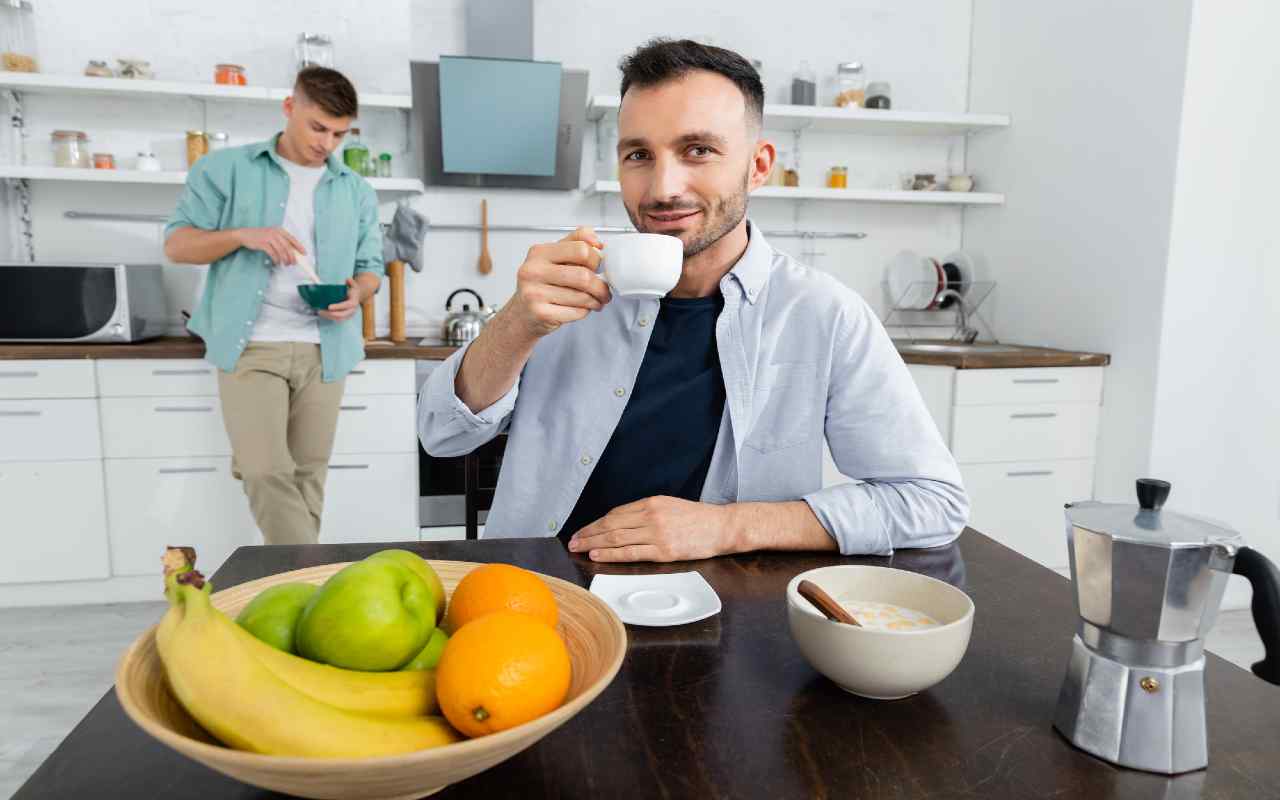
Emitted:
<point x="248" y="706"/>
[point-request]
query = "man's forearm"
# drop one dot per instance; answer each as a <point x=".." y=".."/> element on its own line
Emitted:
<point x="787" y="525"/>
<point x="195" y="246"/>
<point x="493" y="362"/>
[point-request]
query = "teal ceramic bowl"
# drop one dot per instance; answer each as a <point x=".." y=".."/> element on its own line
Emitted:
<point x="322" y="295"/>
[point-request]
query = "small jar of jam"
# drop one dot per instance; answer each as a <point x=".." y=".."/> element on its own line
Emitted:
<point x="229" y="75"/>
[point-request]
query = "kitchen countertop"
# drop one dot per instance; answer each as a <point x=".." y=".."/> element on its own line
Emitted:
<point x="728" y="708"/>
<point x="1009" y="356"/>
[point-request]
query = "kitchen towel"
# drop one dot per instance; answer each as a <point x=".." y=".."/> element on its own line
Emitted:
<point x="402" y="240"/>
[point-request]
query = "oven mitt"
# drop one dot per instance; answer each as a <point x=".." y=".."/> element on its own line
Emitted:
<point x="402" y="240"/>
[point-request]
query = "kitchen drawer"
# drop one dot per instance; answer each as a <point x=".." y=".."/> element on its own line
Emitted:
<point x="377" y="424"/>
<point x="1024" y="433"/>
<point x="20" y="380"/>
<point x="371" y="498"/>
<point x="153" y="503"/>
<point x="383" y="376"/>
<point x="976" y="387"/>
<point x="49" y="430"/>
<point x="162" y="427"/>
<point x="188" y="377"/>
<point x="1019" y="504"/>
<point x="55" y="522"/>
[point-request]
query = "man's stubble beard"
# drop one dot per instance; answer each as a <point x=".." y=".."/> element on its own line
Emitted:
<point x="723" y="216"/>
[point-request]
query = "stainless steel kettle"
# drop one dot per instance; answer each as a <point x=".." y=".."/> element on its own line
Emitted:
<point x="462" y="326"/>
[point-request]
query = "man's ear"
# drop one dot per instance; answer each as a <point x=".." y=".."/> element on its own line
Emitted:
<point x="763" y="163"/>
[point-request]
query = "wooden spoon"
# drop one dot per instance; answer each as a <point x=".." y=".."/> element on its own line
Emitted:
<point x="822" y="601"/>
<point x="486" y="262"/>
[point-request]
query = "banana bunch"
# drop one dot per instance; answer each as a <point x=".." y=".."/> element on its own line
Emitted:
<point x="256" y="698"/>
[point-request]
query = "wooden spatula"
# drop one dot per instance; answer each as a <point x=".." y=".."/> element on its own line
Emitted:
<point x="823" y="602"/>
<point x="486" y="262"/>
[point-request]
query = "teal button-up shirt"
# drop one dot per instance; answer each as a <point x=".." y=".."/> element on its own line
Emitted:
<point x="247" y="187"/>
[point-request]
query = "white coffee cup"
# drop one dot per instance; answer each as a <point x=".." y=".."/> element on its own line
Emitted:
<point x="642" y="264"/>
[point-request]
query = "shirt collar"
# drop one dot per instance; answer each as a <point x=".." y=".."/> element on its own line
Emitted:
<point x="753" y="268"/>
<point x="268" y="148"/>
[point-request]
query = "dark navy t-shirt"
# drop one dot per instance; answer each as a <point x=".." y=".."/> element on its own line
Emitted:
<point x="667" y="433"/>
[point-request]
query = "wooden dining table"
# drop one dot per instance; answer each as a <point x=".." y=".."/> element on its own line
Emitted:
<point x="728" y="707"/>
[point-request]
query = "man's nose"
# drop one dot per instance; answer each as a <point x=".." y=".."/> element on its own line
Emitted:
<point x="667" y="181"/>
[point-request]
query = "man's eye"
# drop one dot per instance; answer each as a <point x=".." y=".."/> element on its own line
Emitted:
<point x="635" y="155"/>
<point x="699" y="151"/>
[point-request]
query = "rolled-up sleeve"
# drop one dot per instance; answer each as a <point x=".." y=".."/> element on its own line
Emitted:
<point x="446" y="426"/>
<point x="369" y="244"/>
<point x="908" y="491"/>
<point x="201" y="203"/>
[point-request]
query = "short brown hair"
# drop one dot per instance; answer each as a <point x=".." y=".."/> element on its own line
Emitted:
<point x="661" y="60"/>
<point x="328" y="89"/>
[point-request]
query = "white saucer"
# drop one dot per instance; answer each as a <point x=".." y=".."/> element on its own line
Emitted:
<point x="658" y="600"/>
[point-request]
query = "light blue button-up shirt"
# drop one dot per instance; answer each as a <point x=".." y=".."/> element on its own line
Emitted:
<point x="246" y="187"/>
<point x="803" y="358"/>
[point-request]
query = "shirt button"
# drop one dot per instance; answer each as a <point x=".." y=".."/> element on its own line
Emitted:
<point x="643" y="321"/>
<point x="586" y="460"/>
<point x="242" y="341"/>
<point x="282" y="205"/>
<point x="620" y="392"/>
<point x="551" y="526"/>
<point x="259" y="293"/>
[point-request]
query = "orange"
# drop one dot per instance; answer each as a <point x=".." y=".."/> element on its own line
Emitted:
<point x="500" y="587"/>
<point x="500" y="671"/>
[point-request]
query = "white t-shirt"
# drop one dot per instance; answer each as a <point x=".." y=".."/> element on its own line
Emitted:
<point x="285" y="316"/>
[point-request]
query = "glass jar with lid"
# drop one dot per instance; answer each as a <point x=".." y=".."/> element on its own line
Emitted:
<point x="230" y="75"/>
<point x="355" y="154"/>
<point x="18" y="37"/>
<point x="851" y="85"/>
<point x="218" y="140"/>
<point x="70" y="149"/>
<point x="313" y="50"/>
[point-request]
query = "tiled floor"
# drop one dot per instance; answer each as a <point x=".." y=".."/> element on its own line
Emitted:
<point x="56" y="662"/>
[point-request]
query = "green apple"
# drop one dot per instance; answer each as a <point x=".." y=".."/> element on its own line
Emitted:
<point x="430" y="655"/>
<point x="419" y="565"/>
<point x="373" y="615"/>
<point x="272" y="616"/>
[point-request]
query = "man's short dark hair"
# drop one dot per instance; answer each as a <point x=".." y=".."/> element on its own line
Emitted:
<point x="662" y="60"/>
<point x="328" y="89"/>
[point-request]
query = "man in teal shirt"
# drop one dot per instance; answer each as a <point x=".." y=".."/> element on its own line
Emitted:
<point x="265" y="216"/>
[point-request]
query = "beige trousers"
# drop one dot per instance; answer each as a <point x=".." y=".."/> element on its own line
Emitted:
<point x="281" y="419"/>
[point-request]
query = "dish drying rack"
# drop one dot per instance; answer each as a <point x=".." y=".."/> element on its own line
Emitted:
<point x="967" y="297"/>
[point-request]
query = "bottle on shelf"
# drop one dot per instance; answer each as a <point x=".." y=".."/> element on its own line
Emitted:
<point x="355" y="154"/>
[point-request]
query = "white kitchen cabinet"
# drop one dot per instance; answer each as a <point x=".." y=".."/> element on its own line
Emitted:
<point x="1036" y="385"/>
<point x="1024" y="432"/>
<point x="1019" y="504"/>
<point x="367" y="499"/>
<point x="937" y="387"/>
<point x="49" y="430"/>
<point x="55" y="522"/>
<point x="148" y="377"/>
<point x="161" y="427"/>
<point x="45" y="379"/>
<point x="376" y="424"/>
<point x="390" y="376"/>
<point x="154" y="503"/>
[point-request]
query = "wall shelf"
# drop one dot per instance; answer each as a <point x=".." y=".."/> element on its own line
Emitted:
<point x="851" y="195"/>
<point x="38" y="83"/>
<point x="851" y="120"/>
<point x="37" y="173"/>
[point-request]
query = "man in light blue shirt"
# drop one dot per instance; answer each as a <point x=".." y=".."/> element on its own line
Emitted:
<point x="588" y="385"/>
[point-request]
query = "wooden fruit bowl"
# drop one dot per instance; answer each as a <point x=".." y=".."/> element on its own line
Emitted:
<point x="596" y="639"/>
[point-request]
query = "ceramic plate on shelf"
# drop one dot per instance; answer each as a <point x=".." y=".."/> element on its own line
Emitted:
<point x="912" y="280"/>
<point x="658" y="600"/>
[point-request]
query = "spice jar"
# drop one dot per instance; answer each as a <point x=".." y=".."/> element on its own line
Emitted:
<point x="804" y="86"/>
<point x="18" y="37"/>
<point x="313" y="50"/>
<point x="790" y="177"/>
<point x="197" y="145"/>
<point x="878" y="95"/>
<point x="838" y="178"/>
<point x="229" y="75"/>
<point x="104" y="161"/>
<point x="384" y="165"/>
<point x="851" y="85"/>
<point x="70" y="149"/>
<point x="99" y="69"/>
<point x="134" y="68"/>
<point x="218" y="140"/>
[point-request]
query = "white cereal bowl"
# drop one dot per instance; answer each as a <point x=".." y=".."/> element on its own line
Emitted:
<point x="879" y="664"/>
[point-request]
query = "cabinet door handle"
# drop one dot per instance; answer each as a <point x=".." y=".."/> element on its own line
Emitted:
<point x="1037" y="380"/>
<point x="184" y="470"/>
<point x="23" y="373"/>
<point x="356" y="372"/>
<point x="1037" y="415"/>
<point x="353" y="408"/>
<point x="181" y="409"/>
<point x="20" y="413"/>
<point x="1028" y="473"/>
<point x="348" y="466"/>
<point x="181" y="371"/>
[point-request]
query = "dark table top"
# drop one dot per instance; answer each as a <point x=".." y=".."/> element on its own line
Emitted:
<point x="728" y="708"/>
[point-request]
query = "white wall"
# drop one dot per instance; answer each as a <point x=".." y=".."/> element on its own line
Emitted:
<point x="922" y="48"/>
<point x="1217" y="420"/>
<point x="1080" y="247"/>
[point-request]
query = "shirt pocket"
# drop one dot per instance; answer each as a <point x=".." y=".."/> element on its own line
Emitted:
<point x="784" y="400"/>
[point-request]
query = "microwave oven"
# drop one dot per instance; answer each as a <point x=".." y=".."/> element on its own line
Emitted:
<point x="80" y="302"/>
